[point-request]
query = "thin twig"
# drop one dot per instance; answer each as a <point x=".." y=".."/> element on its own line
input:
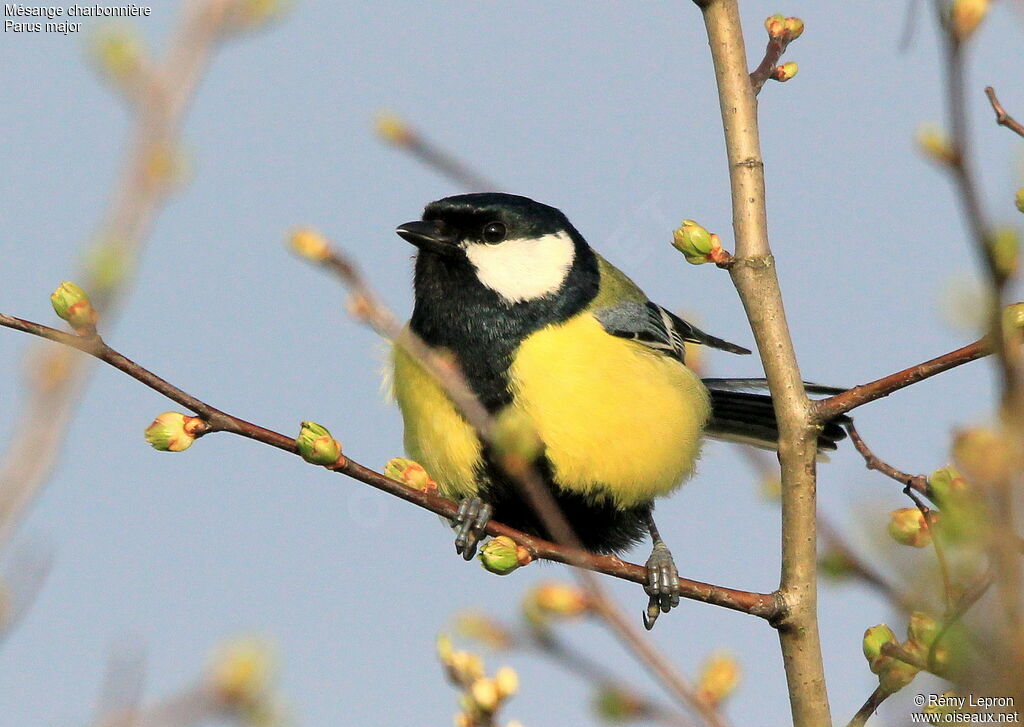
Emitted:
<point x="772" y="55"/>
<point x="873" y="703"/>
<point x="400" y="134"/>
<point x="833" y="406"/>
<point x="1003" y="118"/>
<point x="940" y="553"/>
<point x="918" y="483"/>
<point x="761" y="605"/>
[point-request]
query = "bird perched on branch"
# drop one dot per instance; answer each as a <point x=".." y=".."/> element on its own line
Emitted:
<point x="543" y="326"/>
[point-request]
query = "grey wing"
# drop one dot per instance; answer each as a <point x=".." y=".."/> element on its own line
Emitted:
<point x="653" y="326"/>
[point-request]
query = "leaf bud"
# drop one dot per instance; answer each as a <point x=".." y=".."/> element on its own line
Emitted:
<point x="72" y="304"/>
<point x="174" y="432"/>
<point x="316" y="445"/>
<point x="907" y="526"/>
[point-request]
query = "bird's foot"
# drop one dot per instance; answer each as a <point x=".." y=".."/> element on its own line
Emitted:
<point x="470" y="525"/>
<point x="662" y="584"/>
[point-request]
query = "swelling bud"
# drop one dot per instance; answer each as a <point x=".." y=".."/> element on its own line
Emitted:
<point x="309" y="244"/>
<point x="718" y="679"/>
<point x="485" y="695"/>
<point x="1004" y="248"/>
<point x="507" y="681"/>
<point x="174" y="432"/>
<point x="935" y="145"/>
<point x="241" y="672"/>
<point x="907" y="526"/>
<point x="895" y="675"/>
<point x="554" y="599"/>
<point x="118" y="52"/>
<point x="502" y="555"/>
<point x="785" y="72"/>
<point x="393" y="129"/>
<point x="71" y="304"/>
<point x="923" y="629"/>
<point x="775" y="25"/>
<point x="613" y="704"/>
<point x="694" y="241"/>
<point x="965" y="16"/>
<point x="316" y="445"/>
<point x="410" y="473"/>
<point x="874" y="639"/>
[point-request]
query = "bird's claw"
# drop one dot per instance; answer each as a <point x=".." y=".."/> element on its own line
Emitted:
<point x="470" y="525"/>
<point x="662" y="584"/>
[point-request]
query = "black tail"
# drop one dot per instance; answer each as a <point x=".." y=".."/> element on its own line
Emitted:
<point x="740" y="413"/>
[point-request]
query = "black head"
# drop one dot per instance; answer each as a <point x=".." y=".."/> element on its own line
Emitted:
<point x="491" y="269"/>
<point x="518" y="248"/>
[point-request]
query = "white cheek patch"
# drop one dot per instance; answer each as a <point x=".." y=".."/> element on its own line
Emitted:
<point x="526" y="269"/>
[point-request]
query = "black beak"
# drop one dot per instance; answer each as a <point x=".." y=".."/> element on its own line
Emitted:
<point x="428" y="236"/>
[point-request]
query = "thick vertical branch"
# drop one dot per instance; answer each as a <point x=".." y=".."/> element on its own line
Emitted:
<point x="753" y="273"/>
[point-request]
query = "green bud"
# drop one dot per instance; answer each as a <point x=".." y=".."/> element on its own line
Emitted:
<point x="174" y="432"/>
<point x="922" y="628"/>
<point x="118" y="52"/>
<point x="1004" y="244"/>
<point x="502" y="555"/>
<point x="411" y="473"/>
<point x="786" y="71"/>
<point x="1013" y="316"/>
<point x="907" y="527"/>
<point x="874" y="639"/>
<point x="616" y="705"/>
<point x="316" y="445"/>
<point x="1019" y="199"/>
<point x="947" y="485"/>
<point x="693" y="241"/>
<point x="72" y="304"/>
<point x="895" y="675"/>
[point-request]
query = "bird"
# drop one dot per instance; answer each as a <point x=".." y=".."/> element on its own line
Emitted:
<point x="542" y="325"/>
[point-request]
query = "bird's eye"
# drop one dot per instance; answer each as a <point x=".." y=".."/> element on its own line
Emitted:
<point x="494" y="232"/>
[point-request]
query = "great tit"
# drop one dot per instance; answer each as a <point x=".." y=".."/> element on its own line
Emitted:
<point x="540" y="322"/>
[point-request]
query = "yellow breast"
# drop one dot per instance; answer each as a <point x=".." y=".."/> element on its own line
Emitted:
<point x="436" y="435"/>
<point x="617" y="419"/>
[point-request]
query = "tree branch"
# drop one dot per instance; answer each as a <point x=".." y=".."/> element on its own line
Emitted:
<point x="919" y="483"/>
<point x="1003" y="118"/>
<point x="772" y="55"/>
<point x="753" y="273"/>
<point x="833" y="406"/>
<point x="873" y="703"/>
<point x="761" y="605"/>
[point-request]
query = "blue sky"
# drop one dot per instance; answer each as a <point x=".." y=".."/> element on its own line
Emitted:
<point x="604" y="109"/>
